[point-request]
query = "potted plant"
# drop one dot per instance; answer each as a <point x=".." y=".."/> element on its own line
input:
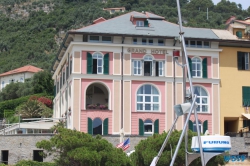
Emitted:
<point x="90" y="106"/>
<point x="102" y="107"/>
<point x="94" y="106"/>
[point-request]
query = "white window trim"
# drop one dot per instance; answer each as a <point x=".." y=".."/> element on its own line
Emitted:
<point x="201" y="69"/>
<point x="151" y="99"/>
<point x="139" y="23"/>
<point x="152" y="123"/>
<point x="195" y="46"/>
<point x="137" y="68"/>
<point x="100" y="39"/>
<point x="246" y="61"/>
<point x="201" y="125"/>
<point x="208" y="101"/>
<point x="161" y="69"/>
<point x="98" y="53"/>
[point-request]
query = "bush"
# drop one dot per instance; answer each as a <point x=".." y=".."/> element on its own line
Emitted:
<point x="33" y="163"/>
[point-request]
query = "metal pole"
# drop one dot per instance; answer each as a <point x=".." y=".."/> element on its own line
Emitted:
<point x="183" y="132"/>
<point x="189" y="75"/>
<point x="154" y="162"/>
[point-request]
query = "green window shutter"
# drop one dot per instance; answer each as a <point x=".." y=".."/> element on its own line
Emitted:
<point x="241" y="60"/>
<point x="244" y="123"/>
<point x="146" y="23"/>
<point x="141" y="127"/>
<point x="246" y="96"/>
<point x="90" y="129"/>
<point x="89" y="63"/>
<point x="106" y="126"/>
<point x="205" y="127"/>
<point x="190" y="65"/>
<point x="204" y="68"/>
<point x="156" y="126"/>
<point x="106" y="64"/>
<point x="190" y="125"/>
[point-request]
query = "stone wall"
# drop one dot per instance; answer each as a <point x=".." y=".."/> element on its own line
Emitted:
<point x="21" y="147"/>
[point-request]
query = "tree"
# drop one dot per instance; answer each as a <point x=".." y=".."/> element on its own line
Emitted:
<point x="147" y="149"/>
<point x="72" y="147"/>
<point x="43" y="83"/>
<point x="30" y="109"/>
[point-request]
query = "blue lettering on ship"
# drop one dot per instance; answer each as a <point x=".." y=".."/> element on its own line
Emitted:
<point x="216" y="142"/>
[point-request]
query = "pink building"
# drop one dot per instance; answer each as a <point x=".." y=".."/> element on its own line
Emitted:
<point x="118" y="75"/>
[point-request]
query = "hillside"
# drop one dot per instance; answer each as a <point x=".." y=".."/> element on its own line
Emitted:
<point x="32" y="30"/>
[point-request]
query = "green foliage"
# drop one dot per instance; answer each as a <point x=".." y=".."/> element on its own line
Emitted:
<point x="77" y="148"/>
<point x="147" y="149"/>
<point x="30" y="109"/>
<point x="12" y="104"/>
<point x="33" y="163"/>
<point x="42" y="83"/>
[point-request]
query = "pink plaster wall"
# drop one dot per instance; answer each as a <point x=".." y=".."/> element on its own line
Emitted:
<point x="145" y="115"/>
<point x="159" y="85"/>
<point x="140" y="56"/>
<point x="209" y="65"/>
<point x="87" y="82"/>
<point x="102" y="114"/>
<point x="84" y="61"/>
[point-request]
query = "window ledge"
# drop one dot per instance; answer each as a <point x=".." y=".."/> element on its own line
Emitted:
<point x="155" y="112"/>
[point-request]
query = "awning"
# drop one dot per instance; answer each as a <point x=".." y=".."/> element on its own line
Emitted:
<point x="246" y="115"/>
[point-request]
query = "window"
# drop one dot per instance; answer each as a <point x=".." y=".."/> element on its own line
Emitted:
<point x="192" y="44"/>
<point x="140" y="23"/>
<point x="63" y="78"/>
<point x="243" y="60"/>
<point x="148" y="127"/>
<point x="198" y="44"/>
<point x="201" y="100"/>
<point x="195" y="128"/>
<point x="2" y="84"/>
<point x="97" y="126"/>
<point x="5" y="156"/>
<point x="134" y="41"/>
<point x="137" y="67"/>
<point x="150" y="41"/>
<point x="94" y="38"/>
<point x="160" y="42"/>
<point x="70" y="69"/>
<point x="37" y="156"/>
<point x="196" y="67"/>
<point x="148" y="67"/>
<point x="148" y="98"/>
<point x="21" y="79"/>
<point x="97" y="64"/>
<point x="246" y="96"/>
<point x="203" y="127"/>
<point x="144" y="41"/>
<point x="12" y="80"/>
<point x="106" y="39"/>
<point x="112" y="11"/>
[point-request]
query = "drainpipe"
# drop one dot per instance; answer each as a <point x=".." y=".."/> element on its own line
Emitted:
<point x="174" y="100"/>
<point x="122" y="130"/>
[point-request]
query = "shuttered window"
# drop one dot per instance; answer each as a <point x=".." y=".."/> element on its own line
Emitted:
<point x="205" y="126"/>
<point x="243" y="60"/>
<point x="190" y="65"/>
<point x="141" y="127"/>
<point x="204" y="68"/>
<point x="106" y="64"/>
<point x="106" y="126"/>
<point x="190" y="125"/>
<point x="246" y="96"/>
<point x="90" y="130"/>
<point x="156" y="126"/>
<point x="89" y="63"/>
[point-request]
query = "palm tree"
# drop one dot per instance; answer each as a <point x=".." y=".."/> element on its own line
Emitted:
<point x="31" y="109"/>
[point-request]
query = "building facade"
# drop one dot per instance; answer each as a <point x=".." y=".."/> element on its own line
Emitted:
<point x="18" y="75"/>
<point x="118" y="76"/>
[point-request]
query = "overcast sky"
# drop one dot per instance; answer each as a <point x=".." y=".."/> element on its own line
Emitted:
<point x="245" y="3"/>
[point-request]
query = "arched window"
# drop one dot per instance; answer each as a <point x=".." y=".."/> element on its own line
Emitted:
<point x="200" y="126"/>
<point x="97" y="63"/>
<point x="148" y="127"/>
<point x="148" y="98"/>
<point x="97" y="126"/>
<point x="196" y="67"/>
<point x="202" y="99"/>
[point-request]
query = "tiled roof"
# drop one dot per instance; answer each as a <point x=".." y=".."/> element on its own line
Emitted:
<point x="122" y="25"/>
<point x="28" y="68"/>
<point x="243" y="22"/>
<point x="224" y="34"/>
